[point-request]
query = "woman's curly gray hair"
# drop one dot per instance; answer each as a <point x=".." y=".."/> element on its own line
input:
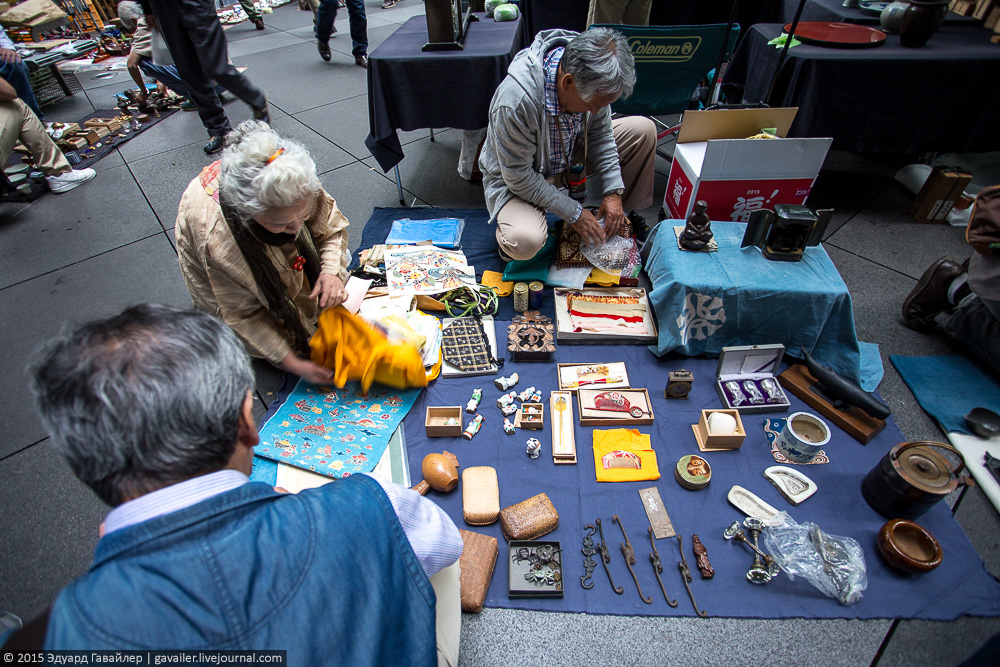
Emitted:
<point x="252" y="182"/>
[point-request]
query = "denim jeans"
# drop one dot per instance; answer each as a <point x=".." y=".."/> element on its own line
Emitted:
<point x="16" y="74"/>
<point x="359" y="24"/>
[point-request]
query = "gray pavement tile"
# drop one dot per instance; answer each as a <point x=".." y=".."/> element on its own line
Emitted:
<point x="345" y="123"/>
<point x="937" y="643"/>
<point x="884" y="233"/>
<point x="50" y="528"/>
<point x="287" y="18"/>
<point x="183" y="128"/>
<point x="145" y="271"/>
<point x="401" y="13"/>
<point x="429" y="171"/>
<point x="981" y="523"/>
<point x="101" y="78"/>
<point x="529" y="639"/>
<point x="164" y="177"/>
<point x="265" y="42"/>
<point x="307" y="84"/>
<point x="68" y="109"/>
<point x="326" y="155"/>
<point x="838" y="186"/>
<point x="358" y="190"/>
<point x="877" y="294"/>
<point x="57" y="230"/>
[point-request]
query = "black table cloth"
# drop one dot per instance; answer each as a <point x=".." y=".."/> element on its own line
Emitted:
<point x="834" y="10"/>
<point x="410" y="89"/>
<point x="889" y="99"/>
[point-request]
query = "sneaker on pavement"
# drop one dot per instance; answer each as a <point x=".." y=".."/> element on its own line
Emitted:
<point x="215" y="144"/>
<point x="188" y="105"/>
<point x="69" y="180"/>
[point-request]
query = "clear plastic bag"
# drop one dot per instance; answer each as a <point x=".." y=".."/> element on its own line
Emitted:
<point x="611" y="256"/>
<point x="835" y="565"/>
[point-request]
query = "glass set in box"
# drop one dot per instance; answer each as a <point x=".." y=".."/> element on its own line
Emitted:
<point x="745" y="378"/>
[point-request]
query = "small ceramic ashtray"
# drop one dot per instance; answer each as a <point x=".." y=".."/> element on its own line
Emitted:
<point x="908" y="547"/>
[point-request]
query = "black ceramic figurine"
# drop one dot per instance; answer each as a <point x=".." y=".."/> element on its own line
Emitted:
<point x="842" y="391"/>
<point x="698" y="230"/>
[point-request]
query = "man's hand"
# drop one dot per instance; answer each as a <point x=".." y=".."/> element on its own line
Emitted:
<point x="9" y="56"/>
<point x="330" y="290"/>
<point x="589" y="229"/>
<point x="614" y="216"/>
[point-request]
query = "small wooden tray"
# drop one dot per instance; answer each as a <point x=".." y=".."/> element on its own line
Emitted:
<point x="859" y="424"/>
<point x="436" y="416"/>
<point x="524" y="418"/>
<point x="563" y="437"/>
<point x="615" y="369"/>
<point x="718" y="443"/>
<point x="517" y="585"/>
<point x="590" y="416"/>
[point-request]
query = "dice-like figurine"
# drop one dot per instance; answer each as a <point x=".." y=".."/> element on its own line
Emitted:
<point x="526" y="394"/>
<point x="505" y="383"/>
<point x="509" y="409"/>
<point x="534" y="448"/>
<point x="536" y="397"/>
<point x="508" y="427"/>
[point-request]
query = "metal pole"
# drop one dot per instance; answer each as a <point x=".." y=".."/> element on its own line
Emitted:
<point x="784" y="51"/>
<point x="399" y="186"/>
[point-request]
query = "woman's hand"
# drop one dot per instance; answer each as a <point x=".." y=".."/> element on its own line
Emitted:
<point x="329" y="290"/>
<point x="305" y="369"/>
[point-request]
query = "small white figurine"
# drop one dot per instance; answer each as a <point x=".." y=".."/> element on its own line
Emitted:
<point x="534" y="448"/>
<point x="526" y="394"/>
<point x="505" y="383"/>
<point x="509" y="409"/>
<point x="536" y="397"/>
<point x="473" y="428"/>
<point x="506" y="399"/>
<point x="473" y="404"/>
<point x="508" y="427"/>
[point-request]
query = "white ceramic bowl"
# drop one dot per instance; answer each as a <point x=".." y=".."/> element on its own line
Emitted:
<point x="802" y="437"/>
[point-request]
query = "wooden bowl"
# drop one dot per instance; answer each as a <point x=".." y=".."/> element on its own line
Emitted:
<point x="908" y="547"/>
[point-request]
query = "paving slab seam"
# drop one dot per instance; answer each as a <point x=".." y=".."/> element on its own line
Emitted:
<point x="885" y="643"/>
<point x="148" y="203"/>
<point x="866" y="259"/>
<point x="22" y="449"/>
<point x="84" y="259"/>
<point x="320" y="106"/>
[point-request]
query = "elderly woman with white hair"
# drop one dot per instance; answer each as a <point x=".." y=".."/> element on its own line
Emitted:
<point x="264" y="247"/>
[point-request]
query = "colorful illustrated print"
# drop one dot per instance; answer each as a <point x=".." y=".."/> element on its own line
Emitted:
<point x="312" y="421"/>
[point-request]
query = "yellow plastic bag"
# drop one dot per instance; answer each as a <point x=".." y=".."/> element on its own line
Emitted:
<point x="356" y="351"/>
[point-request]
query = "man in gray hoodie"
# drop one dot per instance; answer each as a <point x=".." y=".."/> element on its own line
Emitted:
<point x="548" y="118"/>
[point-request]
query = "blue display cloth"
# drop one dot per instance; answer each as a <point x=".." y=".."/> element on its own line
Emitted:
<point x="705" y="301"/>
<point x="959" y="586"/>
<point x="948" y="387"/>
<point x="334" y="432"/>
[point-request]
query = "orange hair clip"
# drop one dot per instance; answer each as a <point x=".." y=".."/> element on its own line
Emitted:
<point x="275" y="156"/>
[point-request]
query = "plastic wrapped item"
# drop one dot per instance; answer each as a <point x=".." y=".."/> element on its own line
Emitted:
<point x="611" y="256"/>
<point x="835" y="565"/>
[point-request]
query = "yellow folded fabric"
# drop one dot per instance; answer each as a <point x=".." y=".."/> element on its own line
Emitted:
<point x="603" y="278"/>
<point x="495" y="279"/>
<point x="626" y="440"/>
<point x="358" y="352"/>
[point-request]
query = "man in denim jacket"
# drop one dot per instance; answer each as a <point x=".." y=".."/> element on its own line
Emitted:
<point x="153" y="410"/>
<point x="552" y="113"/>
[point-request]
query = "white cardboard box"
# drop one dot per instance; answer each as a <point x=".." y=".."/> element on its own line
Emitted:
<point x="715" y="162"/>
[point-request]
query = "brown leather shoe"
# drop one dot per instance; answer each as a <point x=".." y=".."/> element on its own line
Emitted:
<point x="930" y="296"/>
<point x="361" y="61"/>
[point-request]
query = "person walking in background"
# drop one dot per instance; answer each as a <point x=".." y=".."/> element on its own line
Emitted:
<point x="325" y="17"/>
<point x="198" y="46"/>
<point x="252" y="13"/>
<point x="619" y="12"/>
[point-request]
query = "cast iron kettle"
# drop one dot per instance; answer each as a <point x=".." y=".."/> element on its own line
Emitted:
<point x="911" y="478"/>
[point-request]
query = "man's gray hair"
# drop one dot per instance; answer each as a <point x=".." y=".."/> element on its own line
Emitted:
<point x="144" y="399"/>
<point x="254" y="183"/>
<point x="601" y="63"/>
<point x="129" y="12"/>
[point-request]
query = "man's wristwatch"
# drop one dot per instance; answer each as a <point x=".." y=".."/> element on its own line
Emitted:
<point x="617" y="191"/>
